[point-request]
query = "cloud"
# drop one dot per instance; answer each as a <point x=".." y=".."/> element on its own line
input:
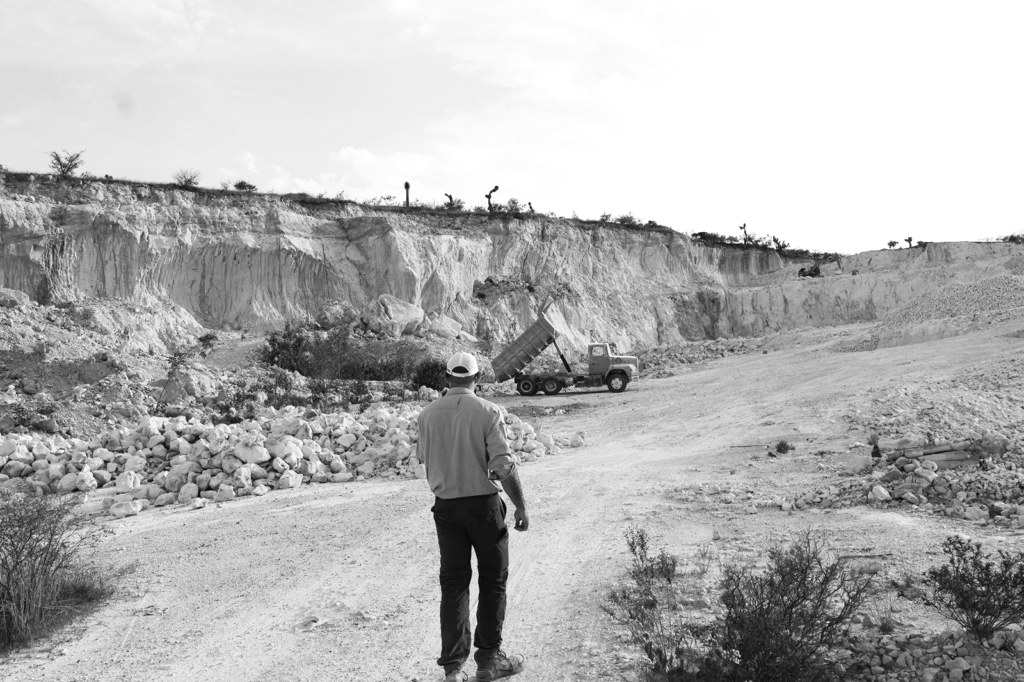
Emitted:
<point x="125" y="103"/>
<point x="370" y="174"/>
<point x="250" y="162"/>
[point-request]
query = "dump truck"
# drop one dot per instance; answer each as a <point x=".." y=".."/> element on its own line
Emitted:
<point x="606" y="367"/>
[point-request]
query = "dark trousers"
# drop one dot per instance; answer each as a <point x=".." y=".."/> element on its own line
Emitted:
<point x="478" y="524"/>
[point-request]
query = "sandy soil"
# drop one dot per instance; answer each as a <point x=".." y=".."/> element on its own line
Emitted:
<point x="338" y="582"/>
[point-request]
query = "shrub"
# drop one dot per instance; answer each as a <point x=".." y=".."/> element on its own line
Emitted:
<point x="243" y="186"/>
<point x="627" y="219"/>
<point x="454" y="204"/>
<point x="775" y="625"/>
<point x="783" y="446"/>
<point x="983" y="596"/>
<point x="332" y="356"/>
<point x="605" y="217"/>
<point x="513" y="206"/>
<point x="432" y="373"/>
<point x="643" y="606"/>
<point x="1013" y="238"/>
<point x="778" y="624"/>
<point x="187" y="178"/>
<point x="893" y="243"/>
<point x="66" y="164"/>
<point x="43" y="581"/>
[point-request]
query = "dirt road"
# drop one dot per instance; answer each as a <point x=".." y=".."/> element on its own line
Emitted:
<point x="338" y="582"/>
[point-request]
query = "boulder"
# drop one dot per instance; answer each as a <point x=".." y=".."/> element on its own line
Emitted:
<point x="127" y="481"/>
<point x="11" y="298"/>
<point x="225" y="493"/>
<point x="445" y="326"/>
<point x="165" y="499"/>
<point x="337" y="313"/>
<point x="135" y="463"/>
<point x="255" y="454"/>
<point x="392" y="316"/>
<point x="289" y="479"/>
<point x="179" y="475"/>
<point x="879" y="494"/>
<point x="188" y="492"/>
<point x="123" y="509"/>
<point x="68" y="483"/>
<point x="86" y="482"/>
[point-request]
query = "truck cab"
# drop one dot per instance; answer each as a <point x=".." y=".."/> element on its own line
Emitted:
<point x="615" y="370"/>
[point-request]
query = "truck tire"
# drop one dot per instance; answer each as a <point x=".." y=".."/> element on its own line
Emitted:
<point x="617" y="382"/>
<point x="552" y="386"/>
<point x="527" y="387"/>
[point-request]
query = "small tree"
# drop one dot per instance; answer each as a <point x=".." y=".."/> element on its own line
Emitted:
<point x="981" y="595"/>
<point x="780" y="245"/>
<point x="910" y="242"/>
<point x="243" y="186"/>
<point x="406" y="192"/>
<point x="605" y="217"/>
<point x="66" y="164"/>
<point x="746" y="237"/>
<point x="513" y="206"/>
<point x="627" y="219"/>
<point x="488" y="195"/>
<point x="454" y="204"/>
<point x="186" y="178"/>
<point x="893" y="244"/>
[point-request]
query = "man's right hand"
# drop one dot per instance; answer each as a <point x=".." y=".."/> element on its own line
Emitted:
<point x="522" y="520"/>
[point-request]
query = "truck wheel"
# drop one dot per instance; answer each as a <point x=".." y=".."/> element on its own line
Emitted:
<point x="527" y="387"/>
<point x="552" y="386"/>
<point x="617" y="383"/>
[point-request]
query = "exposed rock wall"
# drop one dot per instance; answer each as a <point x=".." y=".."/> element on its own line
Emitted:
<point x="256" y="261"/>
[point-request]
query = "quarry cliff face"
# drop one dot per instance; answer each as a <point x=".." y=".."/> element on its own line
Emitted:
<point x="244" y="261"/>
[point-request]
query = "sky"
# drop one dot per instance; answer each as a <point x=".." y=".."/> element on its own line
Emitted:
<point x="833" y="126"/>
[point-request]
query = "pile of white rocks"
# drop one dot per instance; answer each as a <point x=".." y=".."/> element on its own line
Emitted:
<point x="990" y="489"/>
<point x="161" y="460"/>
<point x="957" y="299"/>
<point x="947" y="657"/>
<point x="665" y="361"/>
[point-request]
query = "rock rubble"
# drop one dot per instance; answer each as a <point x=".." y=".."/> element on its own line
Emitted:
<point x="160" y="460"/>
<point x="990" y="489"/>
<point x="946" y="657"/>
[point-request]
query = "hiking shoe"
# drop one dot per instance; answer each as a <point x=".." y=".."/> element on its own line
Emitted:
<point x="502" y="665"/>
<point x="456" y="676"/>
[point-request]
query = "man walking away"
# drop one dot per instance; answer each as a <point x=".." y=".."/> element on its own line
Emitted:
<point x="463" y="445"/>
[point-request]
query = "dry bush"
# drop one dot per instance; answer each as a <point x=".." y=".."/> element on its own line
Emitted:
<point x="775" y="625"/>
<point x="981" y="595"/>
<point x="67" y="163"/>
<point x="186" y="178"/>
<point x="44" y="581"/>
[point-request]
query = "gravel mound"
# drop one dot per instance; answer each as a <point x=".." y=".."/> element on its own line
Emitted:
<point x="958" y="299"/>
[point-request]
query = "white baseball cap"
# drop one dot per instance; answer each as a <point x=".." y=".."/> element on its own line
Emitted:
<point x="462" y="365"/>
